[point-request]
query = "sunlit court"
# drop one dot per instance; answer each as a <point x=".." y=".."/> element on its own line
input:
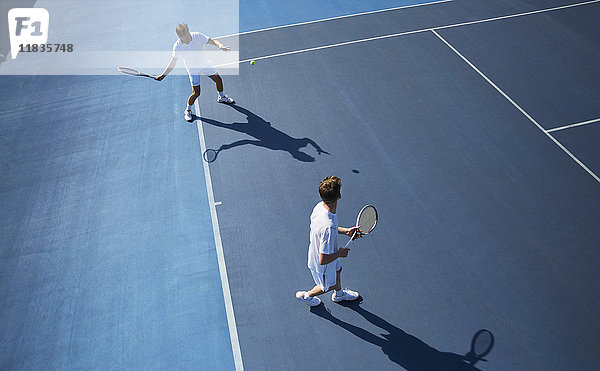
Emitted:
<point x="294" y="185"/>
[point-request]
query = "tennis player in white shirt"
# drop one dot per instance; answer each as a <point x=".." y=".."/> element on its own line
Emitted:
<point x="323" y="252"/>
<point x="189" y="47"/>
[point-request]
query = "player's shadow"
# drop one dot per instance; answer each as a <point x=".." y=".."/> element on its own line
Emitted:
<point x="402" y="348"/>
<point x="266" y="136"/>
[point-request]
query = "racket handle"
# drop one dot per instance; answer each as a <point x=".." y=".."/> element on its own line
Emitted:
<point x="350" y="240"/>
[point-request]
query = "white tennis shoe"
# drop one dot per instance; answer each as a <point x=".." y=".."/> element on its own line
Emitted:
<point x="347" y="295"/>
<point x="311" y="301"/>
<point x="188" y="115"/>
<point x="225" y="99"/>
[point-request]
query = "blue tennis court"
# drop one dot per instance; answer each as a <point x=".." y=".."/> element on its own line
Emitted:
<point x="472" y="126"/>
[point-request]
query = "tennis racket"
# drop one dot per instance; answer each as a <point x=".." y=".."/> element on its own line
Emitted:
<point x="133" y="72"/>
<point x="365" y="221"/>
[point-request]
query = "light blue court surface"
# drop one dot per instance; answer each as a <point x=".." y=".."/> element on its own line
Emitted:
<point x="108" y="257"/>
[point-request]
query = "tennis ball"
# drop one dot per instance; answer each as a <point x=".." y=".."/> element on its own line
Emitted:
<point x="252" y="63"/>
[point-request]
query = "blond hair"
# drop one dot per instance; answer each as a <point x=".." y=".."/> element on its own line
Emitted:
<point x="182" y="29"/>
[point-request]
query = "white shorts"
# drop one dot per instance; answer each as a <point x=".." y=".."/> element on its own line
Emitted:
<point x="195" y="77"/>
<point x="329" y="277"/>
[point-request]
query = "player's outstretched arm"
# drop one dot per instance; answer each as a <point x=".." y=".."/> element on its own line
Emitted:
<point x="167" y="70"/>
<point x="218" y="44"/>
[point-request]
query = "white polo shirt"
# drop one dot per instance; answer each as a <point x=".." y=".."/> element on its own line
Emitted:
<point x="192" y="53"/>
<point x="323" y="238"/>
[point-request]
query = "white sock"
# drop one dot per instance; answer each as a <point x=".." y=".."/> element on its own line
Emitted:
<point x="306" y="295"/>
<point x="339" y="293"/>
<point x="189" y="107"/>
<point x="221" y="93"/>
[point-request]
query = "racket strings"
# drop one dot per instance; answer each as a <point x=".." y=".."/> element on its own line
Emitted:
<point x="128" y="70"/>
<point x="367" y="219"/>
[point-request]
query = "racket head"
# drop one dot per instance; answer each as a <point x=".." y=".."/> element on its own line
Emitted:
<point x="482" y="343"/>
<point x="132" y="72"/>
<point x="367" y="219"/>
<point x="129" y="71"/>
<point x="210" y="155"/>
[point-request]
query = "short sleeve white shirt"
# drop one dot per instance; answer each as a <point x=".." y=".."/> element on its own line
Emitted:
<point x="323" y="237"/>
<point x="192" y="53"/>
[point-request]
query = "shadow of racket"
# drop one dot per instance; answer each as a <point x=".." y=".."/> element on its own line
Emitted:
<point x="481" y="345"/>
<point x="210" y="155"/>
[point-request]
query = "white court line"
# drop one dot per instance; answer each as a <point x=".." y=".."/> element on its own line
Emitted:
<point x="332" y="18"/>
<point x="322" y="47"/>
<point x="233" y="335"/>
<point x="517" y="15"/>
<point x="518" y="107"/>
<point x="573" y="125"/>
<point x="408" y="33"/>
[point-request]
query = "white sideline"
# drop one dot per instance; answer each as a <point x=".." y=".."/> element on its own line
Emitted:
<point x="233" y="335"/>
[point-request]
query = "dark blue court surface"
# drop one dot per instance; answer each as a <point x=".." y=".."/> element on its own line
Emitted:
<point x="257" y="15"/>
<point x="488" y="216"/>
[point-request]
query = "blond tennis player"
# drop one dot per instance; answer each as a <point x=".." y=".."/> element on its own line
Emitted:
<point x="189" y="47"/>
